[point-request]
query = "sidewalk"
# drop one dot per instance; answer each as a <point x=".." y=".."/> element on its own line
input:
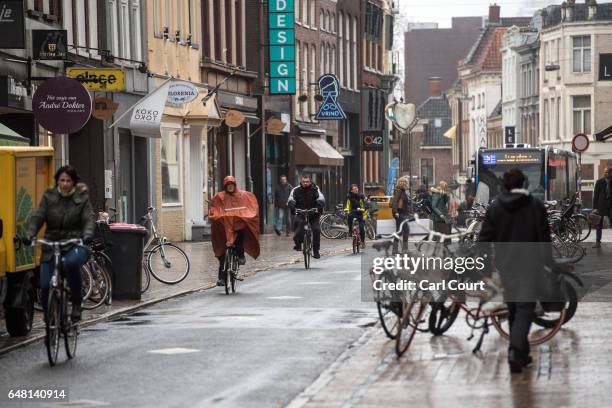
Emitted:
<point x="275" y="251"/>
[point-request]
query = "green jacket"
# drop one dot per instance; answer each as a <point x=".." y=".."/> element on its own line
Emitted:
<point x="439" y="205"/>
<point x="65" y="217"/>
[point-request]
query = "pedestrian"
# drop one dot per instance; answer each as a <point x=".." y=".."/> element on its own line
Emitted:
<point x="283" y="215"/>
<point x="602" y="202"/>
<point x="439" y="206"/>
<point x="464" y="208"/>
<point x="517" y="217"/>
<point x="400" y="207"/>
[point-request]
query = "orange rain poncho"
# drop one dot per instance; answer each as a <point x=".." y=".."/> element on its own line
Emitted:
<point x="230" y="213"/>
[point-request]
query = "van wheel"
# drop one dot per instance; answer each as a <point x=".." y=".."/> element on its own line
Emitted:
<point x="19" y="320"/>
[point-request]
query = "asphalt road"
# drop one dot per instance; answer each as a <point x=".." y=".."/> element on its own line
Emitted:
<point x="257" y="348"/>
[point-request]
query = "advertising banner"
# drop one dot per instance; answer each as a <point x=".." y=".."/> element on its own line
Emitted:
<point x="281" y="31"/>
<point x="62" y="105"/>
<point x="12" y="24"/>
<point x="99" y="79"/>
<point x="147" y="114"/>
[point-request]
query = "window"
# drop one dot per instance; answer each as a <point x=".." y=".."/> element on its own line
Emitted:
<point x="135" y="17"/>
<point x="427" y="171"/>
<point x="157" y="27"/>
<point x="332" y="22"/>
<point x="298" y="11"/>
<point x="305" y="12"/>
<point x="582" y="114"/>
<point x="321" y="20"/>
<point x="354" y="62"/>
<point x="341" y="48"/>
<point x="312" y="15"/>
<point x="170" y="166"/>
<point x="582" y="53"/>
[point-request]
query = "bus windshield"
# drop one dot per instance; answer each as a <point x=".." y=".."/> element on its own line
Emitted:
<point x="492" y="164"/>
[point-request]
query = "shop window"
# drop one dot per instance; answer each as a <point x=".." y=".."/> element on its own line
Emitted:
<point x="170" y="167"/>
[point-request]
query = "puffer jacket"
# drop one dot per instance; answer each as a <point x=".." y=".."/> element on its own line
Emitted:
<point x="65" y="217"/>
<point x="306" y="198"/>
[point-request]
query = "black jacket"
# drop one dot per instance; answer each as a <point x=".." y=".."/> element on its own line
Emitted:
<point x="65" y="217"/>
<point x="518" y="225"/>
<point x="600" y="201"/>
<point x="306" y="198"/>
<point x="281" y="195"/>
<point x="355" y="201"/>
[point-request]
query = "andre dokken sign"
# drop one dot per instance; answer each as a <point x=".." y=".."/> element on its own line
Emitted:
<point x="281" y="22"/>
<point x="61" y="105"/>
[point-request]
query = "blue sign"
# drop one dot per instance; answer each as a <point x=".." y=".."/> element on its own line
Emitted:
<point x="489" y="159"/>
<point x="392" y="177"/>
<point x="281" y="30"/>
<point x="330" y="108"/>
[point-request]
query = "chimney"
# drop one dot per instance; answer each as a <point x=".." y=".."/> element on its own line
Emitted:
<point x="569" y="11"/>
<point x="494" y="14"/>
<point x="592" y="6"/>
<point x="435" y="87"/>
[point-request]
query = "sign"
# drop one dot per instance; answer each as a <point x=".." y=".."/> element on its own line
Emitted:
<point x="275" y="126"/>
<point x="99" y="79"/>
<point x="505" y="158"/>
<point x="50" y="44"/>
<point x="61" y="105"/>
<point x="13" y="94"/>
<point x="392" y="177"/>
<point x="108" y="184"/>
<point x="404" y="115"/>
<point x="234" y="118"/>
<point x="372" y="141"/>
<point x="580" y="143"/>
<point x="12" y="24"/>
<point x="509" y="136"/>
<point x="330" y="108"/>
<point x="147" y="114"/>
<point x="182" y="92"/>
<point x="281" y="30"/>
<point x="605" y="67"/>
<point x="489" y="158"/>
<point x="104" y="108"/>
<point x="390" y="112"/>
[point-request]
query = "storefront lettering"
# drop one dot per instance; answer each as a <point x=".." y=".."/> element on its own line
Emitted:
<point x="146" y="115"/>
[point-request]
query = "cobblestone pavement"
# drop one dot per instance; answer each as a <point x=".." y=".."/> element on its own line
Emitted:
<point x="573" y="370"/>
<point x="275" y="251"/>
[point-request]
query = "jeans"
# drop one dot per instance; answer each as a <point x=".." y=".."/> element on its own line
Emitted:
<point x="520" y="319"/>
<point x="598" y="229"/>
<point x="298" y="236"/>
<point x="359" y="216"/>
<point x="239" y="244"/>
<point x="406" y="230"/>
<point x="73" y="260"/>
<point x="283" y="218"/>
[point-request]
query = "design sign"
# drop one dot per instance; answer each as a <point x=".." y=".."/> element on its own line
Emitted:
<point x="330" y="108"/>
<point x="61" y="105"/>
<point x="12" y="24"/>
<point x="181" y="92"/>
<point x="281" y="30"/>
<point x="50" y="44"/>
<point x="99" y="79"/>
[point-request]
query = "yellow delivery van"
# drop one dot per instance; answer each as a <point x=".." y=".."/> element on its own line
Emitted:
<point x="26" y="173"/>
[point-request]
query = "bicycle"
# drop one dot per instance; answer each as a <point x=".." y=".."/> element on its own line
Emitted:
<point x="307" y="248"/>
<point x="57" y="321"/>
<point x="162" y="259"/>
<point x="231" y="266"/>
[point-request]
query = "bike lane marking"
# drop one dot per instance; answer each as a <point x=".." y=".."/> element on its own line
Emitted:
<point x="175" y="350"/>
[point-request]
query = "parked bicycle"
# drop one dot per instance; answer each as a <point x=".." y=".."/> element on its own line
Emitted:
<point x="307" y="248"/>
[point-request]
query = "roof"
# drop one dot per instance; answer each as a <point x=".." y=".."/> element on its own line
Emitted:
<point x="436" y="107"/>
<point x="551" y="15"/>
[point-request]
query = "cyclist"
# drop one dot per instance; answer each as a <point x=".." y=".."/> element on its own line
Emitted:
<point x="234" y="215"/>
<point x="355" y="208"/>
<point x="305" y="197"/>
<point x="400" y="205"/>
<point x="66" y="210"/>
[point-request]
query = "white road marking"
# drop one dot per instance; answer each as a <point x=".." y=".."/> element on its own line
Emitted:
<point x="284" y="297"/>
<point x="315" y="283"/>
<point x="176" y="350"/>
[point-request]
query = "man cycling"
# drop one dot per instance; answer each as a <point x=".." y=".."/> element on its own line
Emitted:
<point x="234" y="217"/>
<point x="305" y="197"/>
<point x="355" y="208"/>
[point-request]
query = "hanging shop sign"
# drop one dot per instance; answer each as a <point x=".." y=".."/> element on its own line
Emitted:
<point x="275" y="126"/>
<point x="330" y="108"/>
<point x="99" y="79"/>
<point x="50" y="44"/>
<point x="12" y="24"/>
<point x="373" y="141"/>
<point x="104" y="108"/>
<point x="147" y="114"/>
<point x="282" y="46"/>
<point x="181" y="92"/>
<point x="510" y="134"/>
<point x="234" y="118"/>
<point x="61" y="105"/>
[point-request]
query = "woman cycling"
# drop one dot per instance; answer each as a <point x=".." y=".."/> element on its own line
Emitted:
<point x="67" y="213"/>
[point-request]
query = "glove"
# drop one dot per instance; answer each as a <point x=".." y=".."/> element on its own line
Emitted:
<point x="26" y="240"/>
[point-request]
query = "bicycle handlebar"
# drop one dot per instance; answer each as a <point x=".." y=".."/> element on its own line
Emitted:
<point x="300" y="211"/>
<point x="62" y="243"/>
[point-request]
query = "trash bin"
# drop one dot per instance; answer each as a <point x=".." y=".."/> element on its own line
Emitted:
<point x="126" y="254"/>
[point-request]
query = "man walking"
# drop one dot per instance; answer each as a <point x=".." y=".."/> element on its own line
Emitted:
<point x="602" y="202"/>
<point x="281" y="196"/>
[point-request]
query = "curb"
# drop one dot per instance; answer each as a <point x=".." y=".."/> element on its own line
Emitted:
<point x="129" y="309"/>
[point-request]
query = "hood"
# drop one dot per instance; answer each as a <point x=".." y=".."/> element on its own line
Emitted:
<point x="515" y="199"/>
<point x="229" y="180"/>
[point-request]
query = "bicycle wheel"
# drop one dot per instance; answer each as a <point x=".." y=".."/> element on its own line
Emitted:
<point x="370" y="230"/>
<point x="570" y="308"/>
<point x="146" y="278"/>
<point x="583" y="226"/>
<point x="87" y="279"/>
<point x="100" y="287"/>
<point x="306" y="248"/>
<point x="52" y="326"/>
<point x="326" y="223"/>
<point x="107" y="265"/>
<point x="70" y="332"/>
<point x="388" y="310"/>
<point x="408" y="325"/>
<point x="356" y="244"/>
<point x="228" y="267"/>
<point x="499" y="319"/>
<point x="168" y="263"/>
<point x="442" y="316"/>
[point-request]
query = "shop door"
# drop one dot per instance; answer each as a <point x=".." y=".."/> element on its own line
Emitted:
<point x="133" y="176"/>
<point x="86" y="154"/>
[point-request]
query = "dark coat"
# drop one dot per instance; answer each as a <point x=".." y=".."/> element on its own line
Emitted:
<point x="281" y="195"/>
<point x="65" y="217"/>
<point x="518" y="225"/>
<point x="306" y="198"/>
<point x="400" y="203"/>
<point x="439" y="205"/>
<point x="600" y="201"/>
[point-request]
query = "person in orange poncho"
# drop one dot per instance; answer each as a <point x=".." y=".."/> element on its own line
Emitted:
<point x="234" y="217"/>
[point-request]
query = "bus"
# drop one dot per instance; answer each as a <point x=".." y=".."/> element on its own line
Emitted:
<point x="552" y="174"/>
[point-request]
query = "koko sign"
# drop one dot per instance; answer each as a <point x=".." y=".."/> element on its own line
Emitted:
<point x="282" y="46"/>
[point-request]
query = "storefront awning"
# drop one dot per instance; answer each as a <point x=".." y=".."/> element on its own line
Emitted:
<point x="9" y="137"/>
<point x="306" y="130"/>
<point x="314" y="151"/>
<point x="451" y="133"/>
<point x="197" y="113"/>
<point x="604" y="134"/>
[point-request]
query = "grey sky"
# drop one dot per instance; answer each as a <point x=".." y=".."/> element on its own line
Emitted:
<point x="441" y="11"/>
